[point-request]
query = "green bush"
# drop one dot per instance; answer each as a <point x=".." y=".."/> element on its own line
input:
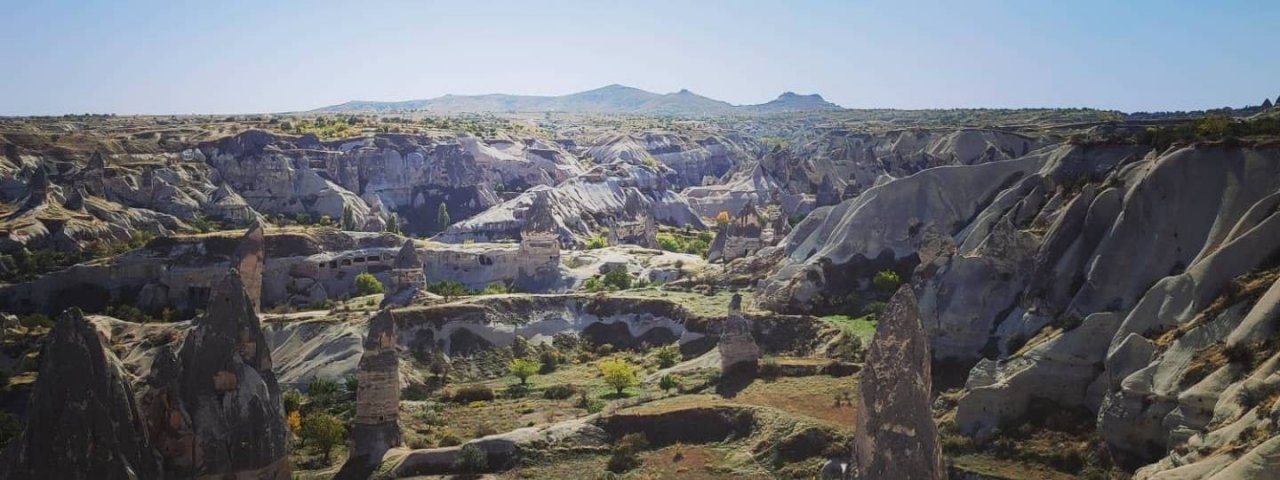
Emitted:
<point x="593" y="285"/>
<point x="617" y="279"/>
<point x="471" y="459"/>
<point x="669" y="382"/>
<point x="886" y="281"/>
<point x="448" y="289"/>
<point x="367" y="284"/>
<point x="668" y="356"/>
<point x="292" y="400"/>
<point x="597" y="242"/>
<point x="472" y="393"/>
<point x="559" y="392"/>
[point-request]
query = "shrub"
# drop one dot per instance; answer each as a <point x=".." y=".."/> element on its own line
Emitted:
<point x="597" y="242"/>
<point x="367" y="284"/>
<point x="668" y="382"/>
<point x="550" y="360"/>
<point x="668" y="356"/>
<point x="496" y="288"/>
<point x="292" y="400"/>
<point x="448" y="289"/>
<point x="471" y="459"/>
<point x="886" y="281"/>
<point x="559" y="392"/>
<point x="670" y="243"/>
<point x="617" y="279"/>
<point x="618" y="374"/>
<point x="523" y="369"/>
<point x="472" y="393"/>
<point x="593" y="284"/>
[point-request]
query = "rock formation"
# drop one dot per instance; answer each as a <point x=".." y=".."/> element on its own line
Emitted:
<point x="582" y="206"/>
<point x="226" y="395"/>
<point x="895" y="435"/>
<point x="376" y="428"/>
<point x="738" y="350"/>
<point x="83" y="422"/>
<point x="407" y="279"/>
<point x="828" y="194"/>
<point x="742" y="236"/>
<point x="635" y="225"/>
<point x="250" y="260"/>
<point x="539" y="245"/>
<point x="1266" y="104"/>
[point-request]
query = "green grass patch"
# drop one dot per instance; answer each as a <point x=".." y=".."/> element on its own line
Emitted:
<point x="863" y="327"/>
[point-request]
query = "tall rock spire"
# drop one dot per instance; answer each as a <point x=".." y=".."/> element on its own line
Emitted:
<point x="84" y="422"/>
<point x="229" y="391"/>
<point x="895" y="435"/>
<point x="250" y="260"/>
<point x="377" y="424"/>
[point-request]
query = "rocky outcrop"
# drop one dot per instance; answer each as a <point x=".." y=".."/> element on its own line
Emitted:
<point x="582" y="206"/>
<point x="83" y="421"/>
<point x="895" y="436"/>
<point x="376" y="427"/>
<point x="738" y="350"/>
<point x="219" y="396"/>
<point x="250" y="260"/>
<point x="693" y="161"/>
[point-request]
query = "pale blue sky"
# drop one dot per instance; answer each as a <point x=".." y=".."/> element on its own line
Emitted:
<point x="246" y="56"/>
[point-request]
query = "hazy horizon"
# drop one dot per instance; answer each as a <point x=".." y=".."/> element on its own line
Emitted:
<point x="242" y="57"/>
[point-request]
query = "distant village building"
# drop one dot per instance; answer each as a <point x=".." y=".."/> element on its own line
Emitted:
<point x="738" y="349"/>
<point x="742" y="236"/>
<point x="539" y="245"/>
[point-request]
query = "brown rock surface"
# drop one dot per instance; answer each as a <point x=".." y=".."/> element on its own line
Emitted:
<point x="895" y="436"/>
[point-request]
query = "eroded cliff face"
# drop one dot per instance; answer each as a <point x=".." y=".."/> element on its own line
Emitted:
<point x="411" y="175"/>
<point x="692" y="160"/>
<point x="584" y="205"/>
<point x="1098" y="277"/>
<point x="83" y="421"/>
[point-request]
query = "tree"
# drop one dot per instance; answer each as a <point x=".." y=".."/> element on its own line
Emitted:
<point x="668" y="382"/>
<point x="442" y="217"/>
<point x="723" y="218"/>
<point x="367" y="284"/>
<point x="618" y="374"/>
<point x="324" y="430"/>
<point x="393" y="223"/>
<point x="326" y="220"/>
<point x="667" y="356"/>
<point x="523" y="369"/>
<point x="295" y="422"/>
<point x="348" y="218"/>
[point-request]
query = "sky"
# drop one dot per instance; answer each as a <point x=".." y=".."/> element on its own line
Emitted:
<point x="232" y="56"/>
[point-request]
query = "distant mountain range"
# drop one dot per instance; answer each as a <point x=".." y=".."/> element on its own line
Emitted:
<point x="610" y="99"/>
